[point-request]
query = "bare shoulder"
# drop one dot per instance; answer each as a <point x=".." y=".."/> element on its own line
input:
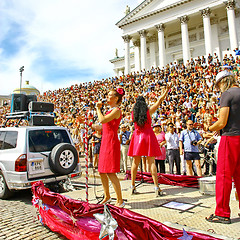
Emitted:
<point x="116" y="112"/>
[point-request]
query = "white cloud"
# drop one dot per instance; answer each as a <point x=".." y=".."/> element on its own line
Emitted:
<point x="72" y="34"/>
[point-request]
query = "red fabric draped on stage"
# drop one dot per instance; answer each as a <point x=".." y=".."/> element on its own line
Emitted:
<point x="169" y="179"/>
<point x="74" y="219"/>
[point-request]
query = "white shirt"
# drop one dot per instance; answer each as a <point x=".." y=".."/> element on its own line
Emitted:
<point x="187" y="104"/>
<point x="172" y="140"/>
<point x="178" y="124"/>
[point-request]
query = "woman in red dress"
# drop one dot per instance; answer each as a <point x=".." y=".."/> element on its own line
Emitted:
<point x="144" y="141"/>
<point x="109" y="156"/>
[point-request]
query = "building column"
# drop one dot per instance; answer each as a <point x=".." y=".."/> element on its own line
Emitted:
<point x="215" y="40"/>
<point x="161" y="45"/>
<point x="116" y="71"/>
<point x="152" y="41"/>
<point x="136" y="45"/>
<point x="207" y="30"/>
<point x="230" y="5"/>
<point x="143" y="44"/>
<point x="126" y="39"/>
<point x="185" y="39"/>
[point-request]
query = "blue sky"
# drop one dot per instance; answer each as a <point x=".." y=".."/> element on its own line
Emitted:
<point x="59" y="42"/>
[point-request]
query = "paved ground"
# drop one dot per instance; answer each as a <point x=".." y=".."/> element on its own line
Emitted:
<point x="147" y="204"/>
<point x="17" y="221"/>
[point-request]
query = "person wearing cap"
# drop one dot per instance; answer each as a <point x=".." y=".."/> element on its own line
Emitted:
<point x="228" y="164"/>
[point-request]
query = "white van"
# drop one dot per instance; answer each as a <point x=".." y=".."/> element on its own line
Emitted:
<point x="33" y="153"/>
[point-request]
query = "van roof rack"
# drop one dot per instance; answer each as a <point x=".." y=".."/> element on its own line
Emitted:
<point x="18" y="115"/>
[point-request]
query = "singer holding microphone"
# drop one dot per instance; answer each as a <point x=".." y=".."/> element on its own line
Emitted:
<point x="109" y="155"/>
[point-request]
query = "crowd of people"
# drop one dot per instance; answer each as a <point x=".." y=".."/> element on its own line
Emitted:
<point x="164" y="115"/>
<point x="191" y="97"/>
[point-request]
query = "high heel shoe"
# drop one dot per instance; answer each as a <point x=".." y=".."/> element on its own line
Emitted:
<point x="133" y="189"/>
<point x="158" y="192"/>
<point x="121" y="205"/>
<point x="108" y="201"/>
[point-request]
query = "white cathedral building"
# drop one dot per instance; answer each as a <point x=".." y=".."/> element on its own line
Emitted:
<point x="158" y="32"/>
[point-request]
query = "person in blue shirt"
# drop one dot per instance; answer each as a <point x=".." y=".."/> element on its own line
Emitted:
<point x="188" y="141"/>
<point x="125" y="136"/>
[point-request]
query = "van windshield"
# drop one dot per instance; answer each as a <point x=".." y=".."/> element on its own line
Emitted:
<point x="46" y="140"/>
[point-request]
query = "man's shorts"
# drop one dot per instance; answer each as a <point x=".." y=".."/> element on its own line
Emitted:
<point x="191" y="156"/>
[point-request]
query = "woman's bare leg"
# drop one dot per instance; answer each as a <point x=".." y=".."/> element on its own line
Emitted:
<point x="144" y="164"/>
<point x="105" y="183"/>
<point x="95" y="160"/>
<point x="153" y="170"/>
<point x="135" y="163"/>
<point x="117" y="187"/>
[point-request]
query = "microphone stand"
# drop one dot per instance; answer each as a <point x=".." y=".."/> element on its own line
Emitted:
<point x="141" y="180"/>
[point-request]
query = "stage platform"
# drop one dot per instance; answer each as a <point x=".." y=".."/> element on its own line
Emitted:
<point x="180" y="208"/>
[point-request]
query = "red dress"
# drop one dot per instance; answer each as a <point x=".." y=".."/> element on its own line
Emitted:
<point x="160" y="138"/>
<point x="144" y="141"/>
<point x="109" y="155"/>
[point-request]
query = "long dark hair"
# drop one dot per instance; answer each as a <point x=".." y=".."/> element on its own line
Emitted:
<point x="140" y="111"/>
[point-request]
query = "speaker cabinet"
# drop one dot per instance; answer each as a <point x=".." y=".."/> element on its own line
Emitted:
<point x="40" y="107"/>
<point x="40" y="120"/>
<point x="18" y="103"/>
<point x="30" y="98"/>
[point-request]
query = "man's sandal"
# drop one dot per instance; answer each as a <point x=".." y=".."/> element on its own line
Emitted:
<point x="217" y="219"/>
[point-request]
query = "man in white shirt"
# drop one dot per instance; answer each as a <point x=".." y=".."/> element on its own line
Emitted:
<point x="187" y="104"/>
<point x="172" y="140"/>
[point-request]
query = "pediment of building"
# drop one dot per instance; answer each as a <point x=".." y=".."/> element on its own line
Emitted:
<point x="148" y="8"/>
